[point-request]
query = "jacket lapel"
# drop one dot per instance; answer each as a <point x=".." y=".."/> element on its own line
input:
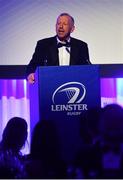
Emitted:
<point x="54" y="52"/>
<point x="74" y="52"/>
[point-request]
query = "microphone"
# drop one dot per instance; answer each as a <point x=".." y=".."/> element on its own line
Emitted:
<point x="88" y="61"/>
<point x="45" y="62"/>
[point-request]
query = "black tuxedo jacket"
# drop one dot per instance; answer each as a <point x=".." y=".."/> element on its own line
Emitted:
<point x="46" y="54"/>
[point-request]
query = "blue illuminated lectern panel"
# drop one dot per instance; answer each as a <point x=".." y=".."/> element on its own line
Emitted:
<point x="63" y="94"/>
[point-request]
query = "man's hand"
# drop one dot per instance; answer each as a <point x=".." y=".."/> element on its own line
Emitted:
<point x="31" y="78"/>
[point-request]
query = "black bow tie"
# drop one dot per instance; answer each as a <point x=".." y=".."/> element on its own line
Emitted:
<point x="59" y="45"/>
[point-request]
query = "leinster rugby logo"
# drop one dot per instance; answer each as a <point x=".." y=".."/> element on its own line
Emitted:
<point x="69" y="93"/>
<point x="68" y="98"/>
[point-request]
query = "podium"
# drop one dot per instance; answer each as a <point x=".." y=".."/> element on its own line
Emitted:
<point x="61" y="94"/>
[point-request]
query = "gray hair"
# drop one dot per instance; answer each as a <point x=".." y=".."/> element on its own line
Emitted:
<point x="66" y="14"/>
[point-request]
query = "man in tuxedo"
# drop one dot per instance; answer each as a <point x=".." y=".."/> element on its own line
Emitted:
<point x="59" y="50"/>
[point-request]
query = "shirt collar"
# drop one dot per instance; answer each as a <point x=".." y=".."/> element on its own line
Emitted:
<point x="63" y="42"/>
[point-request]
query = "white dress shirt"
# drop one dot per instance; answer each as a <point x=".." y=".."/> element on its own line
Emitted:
<point x="64" y="54"/>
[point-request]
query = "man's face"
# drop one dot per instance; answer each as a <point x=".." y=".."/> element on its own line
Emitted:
<point x="64" y="27"/>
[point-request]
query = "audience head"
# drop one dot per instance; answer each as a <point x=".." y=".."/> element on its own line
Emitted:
<point x="14" y="134"/>
<point x="64" y="26"/>
<point x="90" y="124"/>
<point x="111" y="123"/>
<point x="44" y="140"/>
<point x="38" y="139"/>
